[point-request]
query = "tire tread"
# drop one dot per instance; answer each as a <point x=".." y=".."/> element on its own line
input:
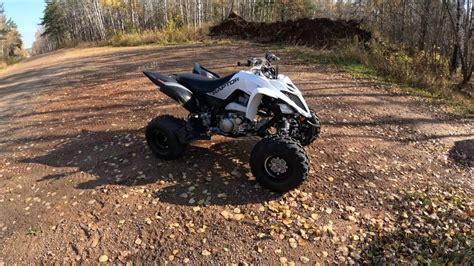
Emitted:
<point x="170" y="125"/>
<point x="294" y="146"/>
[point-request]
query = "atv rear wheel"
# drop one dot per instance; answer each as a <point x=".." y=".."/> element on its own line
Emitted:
<point x="161" y="137"/>
<point x="279" y="163"/>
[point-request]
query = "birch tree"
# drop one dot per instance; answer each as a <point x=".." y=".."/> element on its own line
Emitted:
<point x="462" y="26"/>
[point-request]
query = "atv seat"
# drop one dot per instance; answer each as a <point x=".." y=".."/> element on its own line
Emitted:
<point x="198" y="83"/>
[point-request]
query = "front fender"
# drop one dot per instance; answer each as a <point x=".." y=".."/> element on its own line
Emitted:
<point x="255" y="100"/>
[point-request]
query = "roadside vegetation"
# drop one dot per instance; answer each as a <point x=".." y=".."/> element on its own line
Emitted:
<point x="11" y="45"/>
<point x="421" y="74"/>
<point x="171" y="33"/>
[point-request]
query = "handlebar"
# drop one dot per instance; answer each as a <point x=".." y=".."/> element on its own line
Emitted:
<point x="268" y="59"/>
<point x="262" y="65"/>
<point x="248" y="64"/>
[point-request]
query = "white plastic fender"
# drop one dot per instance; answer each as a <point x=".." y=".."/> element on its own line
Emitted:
<point x="255" y="100"/>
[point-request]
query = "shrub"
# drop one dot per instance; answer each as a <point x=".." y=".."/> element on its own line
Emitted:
<point x="422" y="73"/>
<point x="169" y="34"/>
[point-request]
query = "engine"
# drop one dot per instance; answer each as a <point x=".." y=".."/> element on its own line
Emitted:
<point x="234" y="123"/>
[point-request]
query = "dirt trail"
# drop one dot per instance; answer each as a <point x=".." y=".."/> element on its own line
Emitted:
<point x="77" y="180"/>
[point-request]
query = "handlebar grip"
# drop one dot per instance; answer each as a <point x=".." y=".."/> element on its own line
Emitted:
<point x="244" y="64"/>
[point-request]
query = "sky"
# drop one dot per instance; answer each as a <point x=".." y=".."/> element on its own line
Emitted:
<point x="27" y="15"/>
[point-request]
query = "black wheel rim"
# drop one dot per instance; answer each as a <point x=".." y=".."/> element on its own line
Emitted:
<point x="160" y="141"/>
<point x="276" y="167"/>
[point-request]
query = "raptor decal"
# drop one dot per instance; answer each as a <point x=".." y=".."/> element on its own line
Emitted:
<point x="223" y="86"/>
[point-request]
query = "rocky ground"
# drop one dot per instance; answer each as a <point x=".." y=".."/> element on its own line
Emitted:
<point x="391" y="176"/>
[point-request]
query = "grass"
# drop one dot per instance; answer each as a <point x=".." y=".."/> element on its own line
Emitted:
<point x="184" y="35"/>
<point x="169" y="35"/>
<point x="361" y="64"/>
<point x="11" y="62"/>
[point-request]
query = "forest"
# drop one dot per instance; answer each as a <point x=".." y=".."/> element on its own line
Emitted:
<point x="434" y="34"/>
<point x="11" y="46"/>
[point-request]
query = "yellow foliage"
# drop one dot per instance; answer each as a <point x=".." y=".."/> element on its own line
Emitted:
<point x="112" y="3"/>
<point x="170" y="34"/>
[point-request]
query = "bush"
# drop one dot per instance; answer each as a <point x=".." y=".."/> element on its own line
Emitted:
<point x="419" y="68"/>
<point x="169" y="34"/>
<point x="4" y="62"/>
<point x="422" y="73"/>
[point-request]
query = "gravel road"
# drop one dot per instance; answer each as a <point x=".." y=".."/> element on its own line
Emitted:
<point x="391" y="176"/>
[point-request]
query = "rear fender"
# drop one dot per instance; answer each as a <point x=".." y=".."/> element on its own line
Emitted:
<point x="180" y="94"/>
<point x="174" y="90"/>
<point x="158" y="78"/>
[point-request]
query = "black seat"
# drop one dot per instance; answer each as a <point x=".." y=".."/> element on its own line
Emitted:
<point x="198" y="83"/>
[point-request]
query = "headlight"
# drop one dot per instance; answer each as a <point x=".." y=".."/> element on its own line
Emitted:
<point x="286" y="109"/>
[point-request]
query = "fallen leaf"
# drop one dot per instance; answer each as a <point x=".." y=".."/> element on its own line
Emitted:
<point x="103" y="258"/>
<point x="138" y="241"/>
<point x="238" y="217"/>
<point x="304" y="259"/>
<point x="226" y="214"/>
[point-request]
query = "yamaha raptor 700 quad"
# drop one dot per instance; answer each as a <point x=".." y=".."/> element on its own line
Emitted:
<point x="258" y="102"/>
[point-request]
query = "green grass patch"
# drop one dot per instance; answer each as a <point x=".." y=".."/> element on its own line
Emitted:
<point x="332" y="58"/>
<point x="359" y="69"/>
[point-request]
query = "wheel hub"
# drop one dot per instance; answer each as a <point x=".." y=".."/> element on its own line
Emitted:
<point x="160" y="140"/>
<point x="275" y="166"/>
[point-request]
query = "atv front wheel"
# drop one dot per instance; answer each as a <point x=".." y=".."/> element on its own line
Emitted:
<point x="279" y="163"/>
<point x="161" y="137"/>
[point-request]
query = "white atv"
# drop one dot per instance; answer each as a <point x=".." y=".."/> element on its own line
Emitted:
<point x="258" y="102"/>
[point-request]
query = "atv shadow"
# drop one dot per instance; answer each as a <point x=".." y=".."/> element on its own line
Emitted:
<point x="462" y="153"/>
<point x="224" y="178"/>
<point x="215" y="175"/>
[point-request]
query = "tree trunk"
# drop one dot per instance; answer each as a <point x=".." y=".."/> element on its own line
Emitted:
<point x="424" y="24"/>
<point x="467" y="75"/>
<point x="453" y="65"/>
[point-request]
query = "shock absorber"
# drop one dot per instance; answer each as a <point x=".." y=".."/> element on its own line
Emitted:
<point x="284" y="127"/>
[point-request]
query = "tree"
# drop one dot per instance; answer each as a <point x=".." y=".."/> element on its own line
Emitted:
<point x="293" y="9"/>
<point x="462" y="26"/>
<point x="14" y="44"/>
<point x="431" y="28"/>
<point x="53" y="21"/>
<point x="11" y="45"/>
<point x="3" y="31"/>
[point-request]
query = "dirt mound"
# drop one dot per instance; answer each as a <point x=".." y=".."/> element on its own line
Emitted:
<point x="319" y="32"/>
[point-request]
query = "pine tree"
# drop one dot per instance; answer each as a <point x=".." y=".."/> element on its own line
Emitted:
<point x="53" y="21"/>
